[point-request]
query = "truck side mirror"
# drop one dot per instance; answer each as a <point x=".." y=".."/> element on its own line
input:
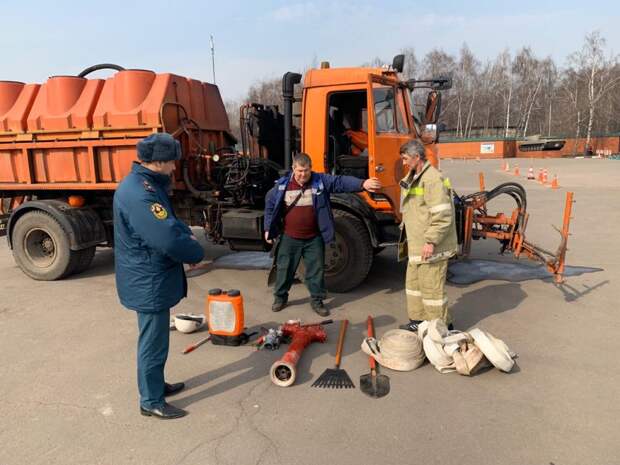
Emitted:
<point x="442" y="83"/>
<point x="430" y="133"/>
<point x="433" y="107"/>
<point x="398" y="63"/>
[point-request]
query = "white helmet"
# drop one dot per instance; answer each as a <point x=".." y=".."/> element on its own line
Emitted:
<point x="187" y="323"/>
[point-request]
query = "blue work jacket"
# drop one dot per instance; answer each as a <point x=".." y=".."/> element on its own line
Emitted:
<point x="150" y="243"/>
<point x="322" y="185"/>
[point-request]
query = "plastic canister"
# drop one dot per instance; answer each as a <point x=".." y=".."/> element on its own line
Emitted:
<point x="224" y="312"/>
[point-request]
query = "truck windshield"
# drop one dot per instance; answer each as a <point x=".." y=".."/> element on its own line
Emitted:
<point x="390" y="114"/>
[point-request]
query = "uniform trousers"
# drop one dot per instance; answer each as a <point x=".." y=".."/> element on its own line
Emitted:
<point x="153" y="343"/>
<point x="290" y="252"/>
<point x="425" y="288"/>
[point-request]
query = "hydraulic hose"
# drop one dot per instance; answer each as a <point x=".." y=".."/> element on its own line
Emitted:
<point x="94" y="68"/>
<point x="201" y="194"/>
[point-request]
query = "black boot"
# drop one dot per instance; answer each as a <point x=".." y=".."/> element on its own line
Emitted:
<point x="165" y="412"/>
<point x="278" y="305"/>
<point x="319" y="307"/>
<point x="411" y="326"/>
<point x="173" y="388"/>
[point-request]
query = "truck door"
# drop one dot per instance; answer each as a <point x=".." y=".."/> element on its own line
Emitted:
<point x="389" y="126"/>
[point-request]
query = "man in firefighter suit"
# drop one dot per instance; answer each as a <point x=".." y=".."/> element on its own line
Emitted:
<point x="428" y="236"/>
<point x="150" y="247"/>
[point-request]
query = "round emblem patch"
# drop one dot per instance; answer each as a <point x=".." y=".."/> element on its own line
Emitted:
<point x="159" y="211"/>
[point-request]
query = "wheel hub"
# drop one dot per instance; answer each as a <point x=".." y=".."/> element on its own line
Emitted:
<point x="47" y="246"/>
<point x="336" y="255"/>
<point x="40" y="247"/>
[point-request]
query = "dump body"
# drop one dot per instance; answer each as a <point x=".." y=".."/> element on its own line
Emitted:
<point x="73" y="133"/>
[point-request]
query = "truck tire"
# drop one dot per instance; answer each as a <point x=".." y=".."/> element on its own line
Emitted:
<point x="41" y="247"/>
<point x="348" y="259"/>
<point x="85" y="258"/>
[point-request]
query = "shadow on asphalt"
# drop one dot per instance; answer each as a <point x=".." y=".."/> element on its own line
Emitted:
<point x="474" y="306"/>
<point x="572" y="293"/>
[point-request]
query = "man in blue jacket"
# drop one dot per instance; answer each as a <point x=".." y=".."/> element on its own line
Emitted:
<point x="150" y="247"/>
<point x="298" y="209"/>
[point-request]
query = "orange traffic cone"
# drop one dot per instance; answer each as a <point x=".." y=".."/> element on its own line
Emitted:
<point x="507" y="167"/>
<point x="540" y="175"/>
<point x="517" y="170"/>
<point x="554" y="183"/>
<point x="530" y="173"/>
<point x="545" y="176"/>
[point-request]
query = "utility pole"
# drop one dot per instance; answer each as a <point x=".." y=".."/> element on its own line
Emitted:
<point x="213" y="58"/>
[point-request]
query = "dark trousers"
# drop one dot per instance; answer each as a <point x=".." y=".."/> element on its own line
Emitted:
<point x="153" y="343"/>
<point x="290" y="252"/>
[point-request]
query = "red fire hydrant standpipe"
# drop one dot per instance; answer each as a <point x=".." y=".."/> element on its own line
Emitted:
<point x="283" y="372"/>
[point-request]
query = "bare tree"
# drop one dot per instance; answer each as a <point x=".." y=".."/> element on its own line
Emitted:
<point x="504" y="85"/>
<point x="267" y="92"/>
<point x="508" y="95"/>
<point x="410" y="69"/>
<point x="439" y="63"/>
<point x="232" y="109"/>
<point x="595" y="71"/>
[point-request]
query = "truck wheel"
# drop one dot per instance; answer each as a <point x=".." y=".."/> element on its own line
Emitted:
<point x="85" y="258"/>
<point x="348" y="259"/>
<point x="41" y="247"/>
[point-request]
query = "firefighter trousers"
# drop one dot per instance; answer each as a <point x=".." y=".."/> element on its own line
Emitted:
<point x="425" y="288"/>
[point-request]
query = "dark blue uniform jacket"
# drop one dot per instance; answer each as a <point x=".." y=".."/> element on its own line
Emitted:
<point x="150" y="243"/>
<point x="322" y="185"/>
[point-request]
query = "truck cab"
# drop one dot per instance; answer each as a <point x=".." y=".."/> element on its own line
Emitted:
<point x="353" y="122"/>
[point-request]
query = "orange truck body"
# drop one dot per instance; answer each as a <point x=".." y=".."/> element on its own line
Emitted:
<point x="73" y="133"/>
<point x="67" y="143"/>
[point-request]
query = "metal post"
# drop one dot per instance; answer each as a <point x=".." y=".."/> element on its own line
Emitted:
<point x="568" y="209"/>
<point x="213" y="58"/>
<point x="288" y="90"/>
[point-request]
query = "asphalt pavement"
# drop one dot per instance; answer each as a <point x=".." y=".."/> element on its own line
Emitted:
<point x="68" y="375"/>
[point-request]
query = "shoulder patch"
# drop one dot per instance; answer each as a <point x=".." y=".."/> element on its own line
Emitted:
<point x="159" y="211"/>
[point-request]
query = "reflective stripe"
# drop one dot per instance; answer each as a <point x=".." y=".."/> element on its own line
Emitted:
<point x="439" y="208"/>
<point x="416" y="191"/>
<point x="414" y="293"/>
<point x="435" y="302"/>
<point x="419" y="191"/>
<point x="418" y="258"/>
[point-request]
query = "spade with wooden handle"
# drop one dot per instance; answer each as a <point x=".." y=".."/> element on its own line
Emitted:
<point x="374" y="384"/>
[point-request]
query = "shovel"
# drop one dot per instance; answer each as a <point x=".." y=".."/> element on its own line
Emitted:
<point x="373" y="384"/>
<point x="273" y="271"/>
<point x="194" y="346"/>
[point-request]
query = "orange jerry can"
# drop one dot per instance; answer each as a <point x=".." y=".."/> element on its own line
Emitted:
<point x="224" y="314"/>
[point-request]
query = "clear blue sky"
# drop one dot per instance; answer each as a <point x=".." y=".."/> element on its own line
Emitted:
<point x="262" y="39"/>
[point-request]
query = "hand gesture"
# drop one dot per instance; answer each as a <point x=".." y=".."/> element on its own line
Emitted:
<point x="372" y="185"/>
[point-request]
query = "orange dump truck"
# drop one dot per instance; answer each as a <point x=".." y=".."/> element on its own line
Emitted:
<point x="67" y="143"/>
